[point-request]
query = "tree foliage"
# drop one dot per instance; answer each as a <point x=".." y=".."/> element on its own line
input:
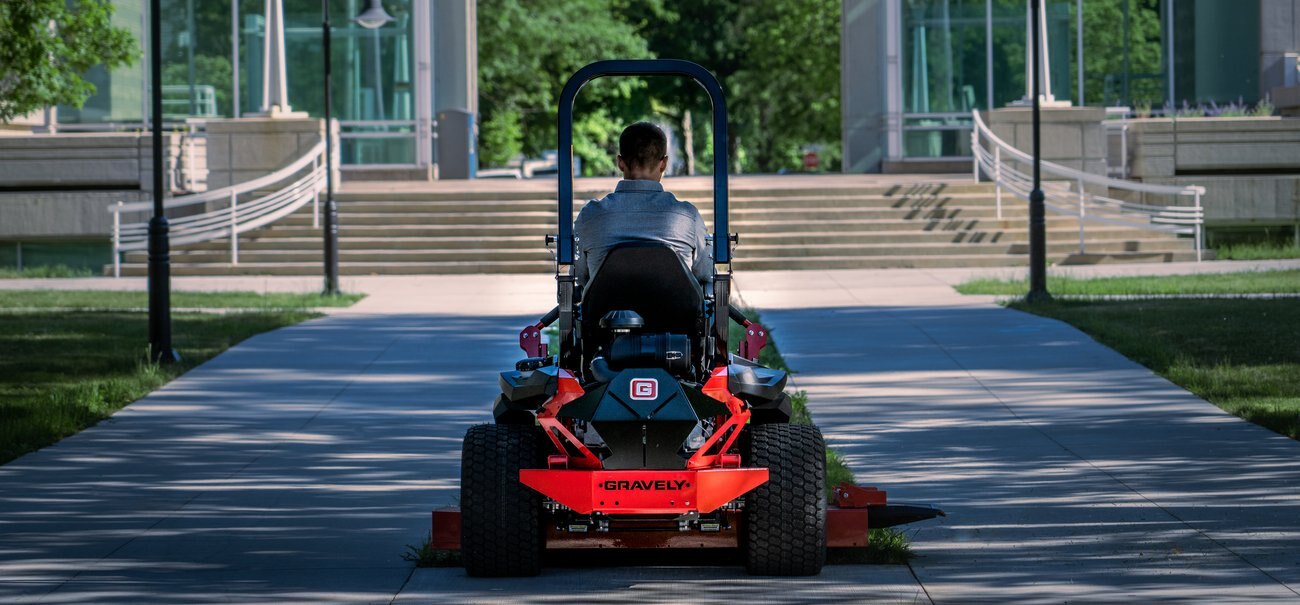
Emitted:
<point x="527" y="50"/>
<point x="1104" y="52"/>
<point x="46" y="46"/>
<point x="778" y="61"/>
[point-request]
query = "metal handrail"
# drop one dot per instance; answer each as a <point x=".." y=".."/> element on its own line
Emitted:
<point x="1070" y="196"/>
<point x="234" y="217"/>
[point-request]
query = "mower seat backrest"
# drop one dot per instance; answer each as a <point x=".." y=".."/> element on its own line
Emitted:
<point x="648" y="278"/>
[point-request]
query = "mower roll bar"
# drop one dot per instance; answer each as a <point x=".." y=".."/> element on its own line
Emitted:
<point x="643" y="67"/>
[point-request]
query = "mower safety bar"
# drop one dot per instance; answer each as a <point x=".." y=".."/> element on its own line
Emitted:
<point x="643" y="67"/>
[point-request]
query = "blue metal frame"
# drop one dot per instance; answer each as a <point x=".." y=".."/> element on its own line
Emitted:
<point x="643" y="67"/>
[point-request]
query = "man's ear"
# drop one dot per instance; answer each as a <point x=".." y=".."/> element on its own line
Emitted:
<point x="622" y="165"/>
<point x="663" y="165"/>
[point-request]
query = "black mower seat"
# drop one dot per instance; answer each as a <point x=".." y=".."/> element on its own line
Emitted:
<point x="647" y="278"/>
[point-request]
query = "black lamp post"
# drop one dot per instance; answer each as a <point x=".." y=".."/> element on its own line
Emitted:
<point x="160" y="297"/>
<point x="373" y="16"/>
<point x="1037" y="227"/>
<point x="331" y="207"/>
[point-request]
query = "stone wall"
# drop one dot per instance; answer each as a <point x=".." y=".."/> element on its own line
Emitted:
<point x="63" y="214"/>
<point x="1166" y="147"/>
<point x="60" y="185"/>
<point x="247" y="148"/>
<point x="1250" y="167"/>
<point x="1072" y="136"/>
<point x="84" y="161"/>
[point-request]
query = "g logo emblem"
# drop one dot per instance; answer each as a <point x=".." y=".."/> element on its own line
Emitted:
<point x="645" y="388"/>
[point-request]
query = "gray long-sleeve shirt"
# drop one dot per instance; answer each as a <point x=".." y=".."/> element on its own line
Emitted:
<point x="640" y="211"/>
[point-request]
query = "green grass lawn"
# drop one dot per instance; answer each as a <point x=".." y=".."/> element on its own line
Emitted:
<point x="1241" y="355"/>
<point x="63" y="371"/>
<point x="1256" y="251"/>
<point x="1252" y="282"/>
<point x="43" y="271"/>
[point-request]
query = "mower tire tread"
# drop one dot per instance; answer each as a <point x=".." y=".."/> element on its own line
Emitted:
<point x="501" y="518"/>
<point x="785" y="518"/>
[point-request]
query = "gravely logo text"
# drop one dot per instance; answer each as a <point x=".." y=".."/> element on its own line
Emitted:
<point x="637" y="484"/>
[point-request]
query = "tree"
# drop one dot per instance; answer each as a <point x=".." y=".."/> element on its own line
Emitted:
<point x="1106" y="59"/>
<point x="712" y="41"/>
<point x="787" y="92"/>
<point x="527" y="50"/>
<point x="46" y="46"/>
<point x="778" y="61"/>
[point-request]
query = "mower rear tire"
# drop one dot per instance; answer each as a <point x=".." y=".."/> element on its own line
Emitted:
<point x="785" y="518"/>
<point x="501" y="532"/>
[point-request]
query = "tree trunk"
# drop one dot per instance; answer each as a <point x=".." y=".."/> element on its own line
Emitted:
<point x="763" y="155"/>
<point x="688" y="142"/>
<point x="733" y="145"/>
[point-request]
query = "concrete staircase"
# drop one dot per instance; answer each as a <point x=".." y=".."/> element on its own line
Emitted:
<point x="791" y="223"/>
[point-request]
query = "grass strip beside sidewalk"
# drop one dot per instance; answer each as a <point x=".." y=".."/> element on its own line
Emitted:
<point x="1241" y="355"/>
<point x="1286" y="281"/>
<point x="63" y="371"/>
<point x="1258" y="251"/>
<point x="43" y="272"/>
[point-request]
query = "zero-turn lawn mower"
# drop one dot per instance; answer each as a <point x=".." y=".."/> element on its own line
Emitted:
<point x="644" y="431"/>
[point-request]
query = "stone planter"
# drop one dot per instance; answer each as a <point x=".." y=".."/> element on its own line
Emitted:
<point x="1250" y="167"/>
<point x="1165" y="147"/>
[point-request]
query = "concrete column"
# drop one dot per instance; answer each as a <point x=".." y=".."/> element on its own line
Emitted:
<point x="243" y="149"/>
<point x="1279" y="33"/>
<point x="455" y="66"/>
<point x="455" y="55"/>
<point x="423" y="26"/>
<point x="864" y="86"/>
<point x="1072" y="136"/>
<point x="275" y="89"/>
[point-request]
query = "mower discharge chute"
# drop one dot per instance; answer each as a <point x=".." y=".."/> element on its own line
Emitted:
<point x="643" y="431"/>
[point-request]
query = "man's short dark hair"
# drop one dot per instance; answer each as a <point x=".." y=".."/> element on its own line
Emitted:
<point x="642" y="145"/>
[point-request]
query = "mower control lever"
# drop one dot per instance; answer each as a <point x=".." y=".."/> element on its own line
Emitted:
<point x="530" y="338"/>
<point x="755" y="335"/>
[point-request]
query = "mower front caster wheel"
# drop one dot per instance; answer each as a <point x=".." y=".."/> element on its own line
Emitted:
<point x="501" y="532"/>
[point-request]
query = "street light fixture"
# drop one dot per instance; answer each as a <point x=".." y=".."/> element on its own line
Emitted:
<point x="373" y="16"/>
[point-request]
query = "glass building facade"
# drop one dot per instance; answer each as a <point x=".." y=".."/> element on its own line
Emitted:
<point x="937" y="60"/>
<point x="212" y="68"/>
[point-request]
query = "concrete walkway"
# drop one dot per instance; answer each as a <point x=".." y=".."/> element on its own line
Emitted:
<point x="1070" y="473"/>
<point x="297" y="466"/>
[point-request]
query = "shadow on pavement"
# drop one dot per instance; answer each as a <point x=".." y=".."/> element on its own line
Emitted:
<point x="1068" y="472"/>
<point x="298" y="466"/>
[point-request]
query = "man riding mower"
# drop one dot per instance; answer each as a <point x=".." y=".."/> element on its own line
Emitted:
<point x="643" y="430"/>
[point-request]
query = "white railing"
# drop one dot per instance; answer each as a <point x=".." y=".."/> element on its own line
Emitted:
<point x="300" y="182"/>
<point x="1089" y="197"/>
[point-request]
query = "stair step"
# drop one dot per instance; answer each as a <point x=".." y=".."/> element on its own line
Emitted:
<point x="285" y="240"/>
<point x="533" y="267"/>
<point x="932" y="224"/>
